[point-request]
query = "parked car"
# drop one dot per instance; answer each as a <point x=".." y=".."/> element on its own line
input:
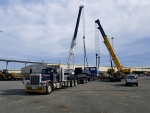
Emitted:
<point x="131" y="79"/>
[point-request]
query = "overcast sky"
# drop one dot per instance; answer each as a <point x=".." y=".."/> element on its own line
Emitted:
<point x="42" y="30"/>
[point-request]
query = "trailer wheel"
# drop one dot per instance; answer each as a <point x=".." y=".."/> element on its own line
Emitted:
<point x="83" y="81"/>
<point x="93" y="78"/>
<point x="89" y="79"/>
<point x="9" y="77"/>
<point x="75" y="82"/>
<point x="49" y="88"/>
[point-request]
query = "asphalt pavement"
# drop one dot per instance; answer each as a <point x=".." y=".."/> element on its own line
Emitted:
<point x="93" y="97"/>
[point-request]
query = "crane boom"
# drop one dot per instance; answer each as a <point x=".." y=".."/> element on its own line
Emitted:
<point x="71" y="53"/>
<point x="110" y="49"/>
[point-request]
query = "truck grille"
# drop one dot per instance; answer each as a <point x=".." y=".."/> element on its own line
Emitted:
<point x="34" y="80"/>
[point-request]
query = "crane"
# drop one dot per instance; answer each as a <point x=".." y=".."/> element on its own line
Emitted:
<point x="111" y="51"/>
<point x="73" y="42"/>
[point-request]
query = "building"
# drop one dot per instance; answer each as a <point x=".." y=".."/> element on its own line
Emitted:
<point x="36" y="68"/>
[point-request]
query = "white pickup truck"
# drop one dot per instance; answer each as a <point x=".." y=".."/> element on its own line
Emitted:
<point x="131" y="79"/>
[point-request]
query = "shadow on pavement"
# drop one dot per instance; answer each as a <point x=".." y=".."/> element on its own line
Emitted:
<point x="19" y="92"/>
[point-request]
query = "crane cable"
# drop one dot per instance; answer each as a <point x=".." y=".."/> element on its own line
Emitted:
<point x="83" y="23"/>
<point x="97" y="46"/>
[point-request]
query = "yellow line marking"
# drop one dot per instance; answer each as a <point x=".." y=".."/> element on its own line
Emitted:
<point x="67" y="105"/>
<point x="125" y="96"/>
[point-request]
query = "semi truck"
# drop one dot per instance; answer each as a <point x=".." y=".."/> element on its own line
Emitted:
<point x="50" y="78"/>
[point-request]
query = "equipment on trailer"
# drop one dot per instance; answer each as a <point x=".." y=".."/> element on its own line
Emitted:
<point x="94" y="72"/>
<point x="73" y="42"/>
<point x="83" y="76"/>
<point x="79" y="73"/>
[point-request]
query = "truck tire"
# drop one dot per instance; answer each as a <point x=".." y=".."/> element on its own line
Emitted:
<point x="137" y="84"/>
<point x="75" y="82"/>
<point x="68" y="83"/>
<point x="89" y="79"/>
<point x="9" y="77"/>
<point x="49" y="88"/>
<point x="86" y="80"/>
<point x="93" y="78"/>
<point x="83" y="81"/>
<point x="71" y="83"/>
<point x="1" y="77"/>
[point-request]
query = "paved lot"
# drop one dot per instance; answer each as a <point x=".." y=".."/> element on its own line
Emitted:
<point x="92" y="97"/>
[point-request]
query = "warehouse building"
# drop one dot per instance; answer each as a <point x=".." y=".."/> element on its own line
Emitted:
<point x="36" y="68"/>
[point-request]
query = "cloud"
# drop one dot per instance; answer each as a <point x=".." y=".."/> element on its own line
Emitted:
<point x="43" y="30"/>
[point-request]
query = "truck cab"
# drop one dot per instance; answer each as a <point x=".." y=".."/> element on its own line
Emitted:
<point x="50" y="78"/>
<point x="51" y="74"/>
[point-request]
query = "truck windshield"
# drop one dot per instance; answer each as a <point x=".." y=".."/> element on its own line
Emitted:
<point x="66" y="73"/>
<point x="47" y="74"/>
<point x="47" y="71"/>
<point x="131" y="77"/>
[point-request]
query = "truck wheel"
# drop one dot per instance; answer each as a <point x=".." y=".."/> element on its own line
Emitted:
<point x="68" y="83"/>
<point x="137" y="84"/>
<point x="75" y="82"/>
<point x="71" y="83"/>
<point x="86" y="80"/>
<point x="9" y="77"/>
<point x="1" y="77"/>
<point x="49" y="88"/>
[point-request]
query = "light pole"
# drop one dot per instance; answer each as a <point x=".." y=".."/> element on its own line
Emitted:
<point x="14" y="66"/>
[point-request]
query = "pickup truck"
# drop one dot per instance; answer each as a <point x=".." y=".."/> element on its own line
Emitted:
<point x="131" y="79"/>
